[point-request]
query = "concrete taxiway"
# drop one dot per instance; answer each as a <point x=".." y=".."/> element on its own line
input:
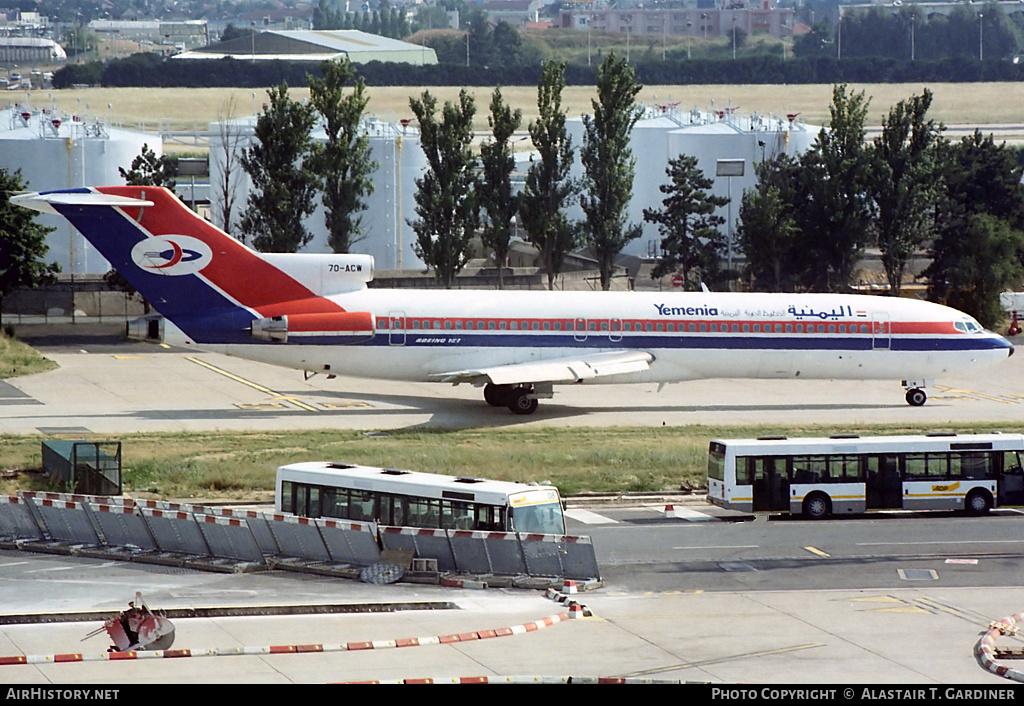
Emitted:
<point x="909" y="634"/>
<point x="913" y="635"/>
<point x="105" y="387"/>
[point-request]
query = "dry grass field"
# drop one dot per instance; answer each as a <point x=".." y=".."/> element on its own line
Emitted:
<point x="973" y="104"/>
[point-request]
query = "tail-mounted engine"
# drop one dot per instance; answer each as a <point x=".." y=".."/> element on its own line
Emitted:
<point x="344" y="327"/>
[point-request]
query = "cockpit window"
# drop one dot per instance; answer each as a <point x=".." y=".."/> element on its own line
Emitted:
<point x="968" y="326"/>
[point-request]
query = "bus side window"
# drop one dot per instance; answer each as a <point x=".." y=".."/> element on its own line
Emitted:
<point x="1012" y="464"/>
<point x="745" y="470"/>
<point x="287" y="497"/>
<point x="456" y="515"/>
<point x="360" y="506"/>
<point x="309" y="500"/>
<point x="335" y="502"/>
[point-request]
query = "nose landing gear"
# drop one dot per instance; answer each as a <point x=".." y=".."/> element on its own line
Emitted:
<point x="916" y="395"/>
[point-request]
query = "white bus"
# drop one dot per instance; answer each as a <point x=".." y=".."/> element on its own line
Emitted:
<point x="400" y="498"/>
<point x="847" y="474"/>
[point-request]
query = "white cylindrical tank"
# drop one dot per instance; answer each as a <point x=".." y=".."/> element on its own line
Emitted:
<point x="387" y="235"/>
<point x="54" y="150"/>
<point x="665" y="132"/>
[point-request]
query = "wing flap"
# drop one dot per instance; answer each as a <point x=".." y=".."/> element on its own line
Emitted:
<point x="558" y="370"/>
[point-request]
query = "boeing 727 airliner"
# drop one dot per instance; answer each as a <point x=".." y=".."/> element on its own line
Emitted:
<point x="315" y="313"/>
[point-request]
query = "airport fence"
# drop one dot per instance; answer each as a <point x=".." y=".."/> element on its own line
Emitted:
<point x="214" y="538"/>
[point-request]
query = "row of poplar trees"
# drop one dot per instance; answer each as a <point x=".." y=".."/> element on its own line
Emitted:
<point x="462" y="194"/>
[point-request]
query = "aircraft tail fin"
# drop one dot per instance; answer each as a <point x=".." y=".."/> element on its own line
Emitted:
<point x="209" y="284"/>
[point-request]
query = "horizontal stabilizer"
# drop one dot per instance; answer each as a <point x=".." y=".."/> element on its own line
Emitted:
<point x="559" y="370"/>
<point x="45" y="201"/>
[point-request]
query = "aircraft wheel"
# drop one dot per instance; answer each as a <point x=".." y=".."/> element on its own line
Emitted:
<point x="497" y="395"/>
<point x="521" y="402"/>
<point x="916" y="397"/>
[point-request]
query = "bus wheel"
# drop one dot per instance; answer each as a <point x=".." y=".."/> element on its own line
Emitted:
<point x="817" y="506"/>
<point x="978" y="502"/>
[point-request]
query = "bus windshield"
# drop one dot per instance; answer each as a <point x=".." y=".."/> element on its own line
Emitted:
<point x="544" y="518"/>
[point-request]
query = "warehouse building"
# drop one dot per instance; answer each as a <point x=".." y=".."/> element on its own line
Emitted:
<point x="311" y="45"/>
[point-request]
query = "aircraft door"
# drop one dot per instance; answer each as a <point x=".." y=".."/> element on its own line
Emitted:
<point x="880" y="330"/>
<point x="615" y="330"/>
<point x="580" y="330"/>
<point x="396" y="328"/>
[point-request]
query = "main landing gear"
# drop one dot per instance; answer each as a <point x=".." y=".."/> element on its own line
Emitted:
<point x="915" y="393"/>
<point x="520" y="399"/>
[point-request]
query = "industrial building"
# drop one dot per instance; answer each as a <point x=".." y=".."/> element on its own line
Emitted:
<point x="312" y="45"/>
<point x="30" y="50"/>
<point x="727" y="146"/>
<point x="54" y="150"/>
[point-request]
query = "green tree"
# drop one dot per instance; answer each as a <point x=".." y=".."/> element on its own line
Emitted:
<point x="343" y="163"/>
<point x="446" y="194"/>
<point x="608" y="164"/>
<point x="969" y="272"/>
<point x="497" y="196"/>
<point x="979" y="227"/>
<point x="902" y="185"/>
<point x="283" y="188"/>
<point x="767" y="233"/>
<point x="149" y="170"/>
<point x="833" y="209"/>
<point x="691" y="241"/>
<point x="548" y="186"/>
<point x="22" y="242"/>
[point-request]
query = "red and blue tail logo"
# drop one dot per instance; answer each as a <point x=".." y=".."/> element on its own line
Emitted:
<point x="210" y="285"/>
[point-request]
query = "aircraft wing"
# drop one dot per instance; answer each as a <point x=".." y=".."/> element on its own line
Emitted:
<point x="556" y="370"/>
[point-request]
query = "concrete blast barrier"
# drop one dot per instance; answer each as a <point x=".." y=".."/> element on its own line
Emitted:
<point x="298" y="538"/>
<point x="350" y="542"/>
<point x="229" y="538"/>
<point x="562" y="556"/>
<point x="121" y="526"/>
<point x="175" y="531"/>
<point x="66" y="521"/>
<point x="487" y="552"/>
<point x="424" y="543"/>
<point x="16" y="520"/>
<point x="252" y="537"/>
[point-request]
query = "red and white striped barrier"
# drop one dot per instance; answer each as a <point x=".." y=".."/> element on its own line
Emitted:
<point x="287" y="649"/>
<point x="986" y="647"/>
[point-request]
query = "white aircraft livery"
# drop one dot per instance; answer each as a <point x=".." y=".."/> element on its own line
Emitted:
<point x="316" y="313"/>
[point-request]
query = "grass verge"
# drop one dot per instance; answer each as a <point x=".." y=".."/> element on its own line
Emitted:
<point x="16" y="358"/>
<point x="241" y="466"/>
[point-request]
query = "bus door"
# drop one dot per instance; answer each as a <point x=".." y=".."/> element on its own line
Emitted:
<point x="883" y="487"/>
<point x="771" y="483"/>
<point x="1011" y="479"/>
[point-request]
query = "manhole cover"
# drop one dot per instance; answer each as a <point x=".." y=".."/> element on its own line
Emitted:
<point x="918" y="574"/>
<point x="737" y="566"/>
